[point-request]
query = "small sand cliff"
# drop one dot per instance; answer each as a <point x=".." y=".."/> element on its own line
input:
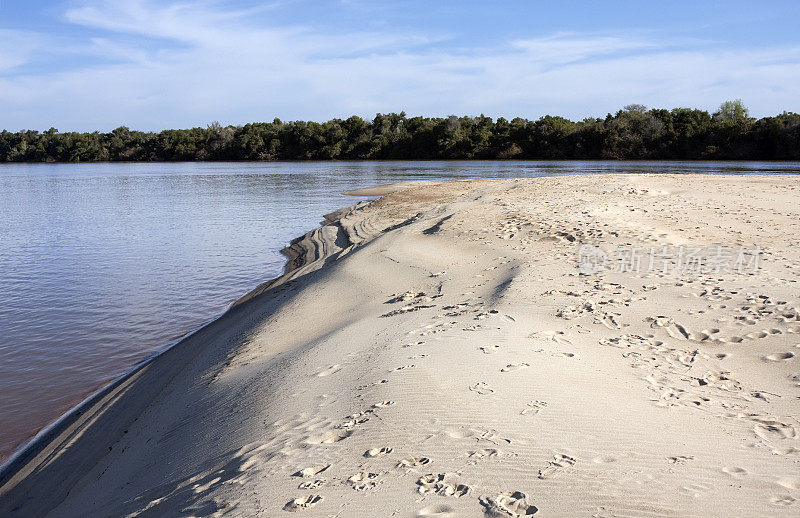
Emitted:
<point x="605" y="345"/>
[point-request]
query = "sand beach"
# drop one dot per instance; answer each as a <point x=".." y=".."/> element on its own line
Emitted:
<point x="597" y="345"/>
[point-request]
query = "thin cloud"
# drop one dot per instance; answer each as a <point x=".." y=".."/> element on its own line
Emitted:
<point x="18" y="48"/>
<point x="203" y="62"/>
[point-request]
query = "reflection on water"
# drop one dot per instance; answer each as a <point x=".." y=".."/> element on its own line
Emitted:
<point x="101" y="264"/>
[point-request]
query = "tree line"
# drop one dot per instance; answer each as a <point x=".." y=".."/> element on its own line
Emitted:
<point x="632" y="133"/>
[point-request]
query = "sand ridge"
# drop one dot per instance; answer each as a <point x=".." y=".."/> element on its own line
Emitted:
<point x="451" y="350"/>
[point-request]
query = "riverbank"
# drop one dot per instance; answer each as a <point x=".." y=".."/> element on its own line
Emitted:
<point x="578" y="345"/>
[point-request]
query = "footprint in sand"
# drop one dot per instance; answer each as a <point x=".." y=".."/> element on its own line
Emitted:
<point x="378" y="452"/>
<point x="604" y="459"/>
<point x="353" y="420"/>
<point x="363" y="481"/>
<point x="405" y="297"/>
<point x="437" y="511"/>
<point x="559" y="462"/>
<point x="444" y="484"/>
<point x="680" y="459"/>
<point x="333" y="369"/>
<point x="489" y="349"/>
<point x="413" y="462"/>
<point x="695" y="490"/>
<point x="312" y="484"/>
<point x="559" y="337"/>
<point x="511" y="367"/>
<point x="311" y="470"/>
<point x="383" y="404"/>
<point x="402" y="367"/>
<point x="608" y="320"/>
<point x="481" y="388"/>
<point x="533" y="408"/>
<point x="511" y="503"/>
<point x="303" y="503"/>
<point x="789" y="482"/>
<point x="777" y="357"/>
<point x="329" y="437"/>
<point x="734" y="471"/>
<point x="783" y="500"/>
<point x="484" y="453"/>
<point x="774" y="430"/>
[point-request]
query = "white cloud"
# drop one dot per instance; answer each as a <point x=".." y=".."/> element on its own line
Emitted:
<point x="17" y="48"/>
<point x="203" y="62"/>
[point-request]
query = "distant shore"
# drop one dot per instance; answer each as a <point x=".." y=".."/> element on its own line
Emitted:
<point x="634" y="132"/>
<point x="468" y="347"/>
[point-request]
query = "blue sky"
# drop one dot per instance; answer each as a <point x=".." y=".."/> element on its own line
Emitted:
<point x="97" y="64"/>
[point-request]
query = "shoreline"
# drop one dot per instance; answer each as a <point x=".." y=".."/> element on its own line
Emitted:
<point x="297" y="255"/>
<point x="463" y="362"/>
<point x="301" y="252"/>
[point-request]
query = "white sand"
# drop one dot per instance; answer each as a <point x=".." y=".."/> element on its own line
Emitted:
<point x="449" y="360"/>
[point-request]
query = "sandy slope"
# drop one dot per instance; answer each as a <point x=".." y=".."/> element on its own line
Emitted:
<point x="449" y="359"/>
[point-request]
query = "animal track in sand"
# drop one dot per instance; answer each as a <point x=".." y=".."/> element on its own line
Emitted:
<point x="436" y="511"/>
<point x="332" y="369"/>
<point x="489" y="349"/>
<point x="510" y="503"/>
<point x="329" y="437"/>
<point x="311" y="470"/>
<point x="680" y="459"/>
<point x="378" y="452"/>
<point x="363" y="481"/>
<point x="444" y="484"/>
<point x="511" y="367"/>
<point x="301" y="504"/>
<point x="413" y="462"/>
<point x="383" y="404"/>
<point x="481" y="388"/>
